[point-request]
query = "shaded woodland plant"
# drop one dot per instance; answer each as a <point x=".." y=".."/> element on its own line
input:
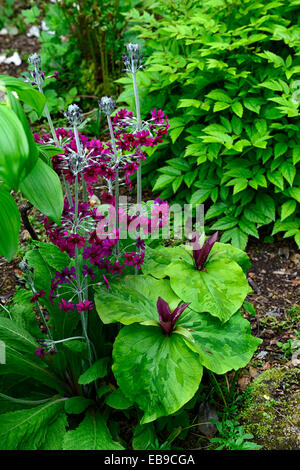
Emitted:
<point x="85" y="326"/>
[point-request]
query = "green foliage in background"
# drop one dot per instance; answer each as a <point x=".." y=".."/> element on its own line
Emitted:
<point x="84" y="44"/>
<point x="226" y="74"/>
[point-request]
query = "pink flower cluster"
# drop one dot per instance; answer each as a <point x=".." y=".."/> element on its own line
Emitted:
<point x="99" y="153"/>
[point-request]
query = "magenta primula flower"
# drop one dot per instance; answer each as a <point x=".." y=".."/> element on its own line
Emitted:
<point x="201" y="254"/>
<point x="84" y="306"/>
<point x="40" y="351"/>
<point x="65" y="306"/>
<point x="167" y="319"/>
<point x="37" y="296"/>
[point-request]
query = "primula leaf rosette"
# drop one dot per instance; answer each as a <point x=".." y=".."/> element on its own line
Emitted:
<point x="159" y="354"/>
<point x="211" y="278"/>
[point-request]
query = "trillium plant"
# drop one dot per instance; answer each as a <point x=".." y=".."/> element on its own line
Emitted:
<point x="106" y="321"/>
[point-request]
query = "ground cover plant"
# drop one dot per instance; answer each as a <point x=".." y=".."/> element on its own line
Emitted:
<point x="88" y="338"/>
<point x="226" y="73"/>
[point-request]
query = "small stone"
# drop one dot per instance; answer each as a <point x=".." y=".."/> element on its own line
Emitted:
<point x="205" y="414"/>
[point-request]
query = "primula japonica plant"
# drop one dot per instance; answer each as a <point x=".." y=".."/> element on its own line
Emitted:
<point x="180" y="315"/>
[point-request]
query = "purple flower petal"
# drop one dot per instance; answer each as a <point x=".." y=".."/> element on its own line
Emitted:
<point x="163" y="309"/>
<point x="178" y="311"/>
<point x="201" y="254"/>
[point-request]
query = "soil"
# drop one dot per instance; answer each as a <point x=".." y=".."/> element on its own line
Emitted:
<point x="22" y="44"/>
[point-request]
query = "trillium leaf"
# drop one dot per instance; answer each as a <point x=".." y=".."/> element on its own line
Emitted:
<point x="157" y="261"/>
<point x="220" y="289"/>
<point x="133" y="300"/>
<point x="221" y="347"/>
<point x="232" y="252"/>
<point x="158" y="372"/>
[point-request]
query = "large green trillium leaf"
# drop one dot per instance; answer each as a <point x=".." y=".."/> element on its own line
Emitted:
<point x="133" y="299"/>
<point x="221" y="346"/>
<point x="157" y="261"/>
<point x="158" y="372"/>
<point x="219" y="289"/>
<point x="228" y="251"/>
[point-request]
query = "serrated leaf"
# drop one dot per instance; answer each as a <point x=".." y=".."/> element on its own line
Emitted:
<point x="28" y="429"/>
<point x="287" y="209"/>
<point x="91" y="434"/>
<point x="237" y="108"/>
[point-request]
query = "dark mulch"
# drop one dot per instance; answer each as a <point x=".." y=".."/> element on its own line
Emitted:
<point x="22" y="44"/>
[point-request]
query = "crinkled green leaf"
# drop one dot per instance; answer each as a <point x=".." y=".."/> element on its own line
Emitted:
<point x="133" y="300"/>
<point x="219" y="289"/>
<point x="221" y="347"/>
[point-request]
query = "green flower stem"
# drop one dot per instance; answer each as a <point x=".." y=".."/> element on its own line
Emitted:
<point x="83" y="315"/>
<point x="139" y="125"/>
<point x="43" y="318"/>
<point x="80" y="290"/>
<point x="76" y="198"/>
<point x="79" y="149"/>
<point x="50" y="122"/>
<point x="113" y="142"/>
<point x="68" y="191"/>
<point x="68" y="339"/>
<point x="54" y="136"/>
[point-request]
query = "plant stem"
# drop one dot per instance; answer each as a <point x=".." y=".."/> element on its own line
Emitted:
<point x="54" y="136"/>
<point x="83" y="315"/>
<point x="117" y="178"/>
<point x="139" y="125"/>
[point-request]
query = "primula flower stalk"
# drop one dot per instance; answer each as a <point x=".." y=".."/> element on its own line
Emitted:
<point x="132" y="65"/>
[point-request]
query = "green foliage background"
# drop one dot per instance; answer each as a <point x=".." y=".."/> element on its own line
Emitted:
<point x="226" y="73"/>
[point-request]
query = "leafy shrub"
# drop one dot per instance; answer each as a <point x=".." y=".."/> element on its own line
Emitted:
<point x="226" y="74"/>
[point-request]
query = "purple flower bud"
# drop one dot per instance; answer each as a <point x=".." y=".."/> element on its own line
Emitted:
<point x="201" y="254"/>
<point x="167" y="319"/>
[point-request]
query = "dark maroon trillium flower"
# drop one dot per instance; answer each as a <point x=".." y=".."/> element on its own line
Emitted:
<point x="201" y="254"/>
<point x="167" y="318"/>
